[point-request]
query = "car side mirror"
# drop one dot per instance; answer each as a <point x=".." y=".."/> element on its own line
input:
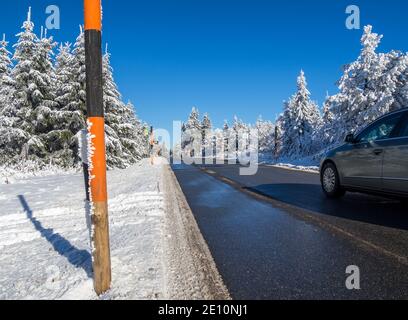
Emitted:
<point x="350" y="138"/>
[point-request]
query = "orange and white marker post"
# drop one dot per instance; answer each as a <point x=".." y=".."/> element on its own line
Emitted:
<point x="97" y="165"/>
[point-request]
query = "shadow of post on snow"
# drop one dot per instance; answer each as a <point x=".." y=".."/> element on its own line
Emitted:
<point x="78" y="258"/>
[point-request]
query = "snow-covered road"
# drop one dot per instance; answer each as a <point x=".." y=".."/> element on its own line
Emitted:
<point x="44" y="239"/>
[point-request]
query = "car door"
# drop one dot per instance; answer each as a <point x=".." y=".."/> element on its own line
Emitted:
<point x="395" y="165"/>
<point x="362" y="164"/>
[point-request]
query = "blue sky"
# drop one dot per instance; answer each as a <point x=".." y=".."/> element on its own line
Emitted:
<point x="226" y="57"/>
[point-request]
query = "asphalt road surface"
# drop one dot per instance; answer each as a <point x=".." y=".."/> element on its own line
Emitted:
<point x="275" y="236"/>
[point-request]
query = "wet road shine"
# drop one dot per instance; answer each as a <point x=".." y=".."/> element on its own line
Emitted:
<point x="297" y="245"/>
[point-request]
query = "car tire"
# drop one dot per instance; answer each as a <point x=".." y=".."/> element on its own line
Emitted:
<point x="330" y="181"/>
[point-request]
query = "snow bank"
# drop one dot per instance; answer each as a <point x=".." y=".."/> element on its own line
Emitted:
<point x="28" y="169"/>
<point x="308" y="164"/>
<point x="297" y="167"/>
<point x="44" y="238"/>
<point x="192" y="273"/>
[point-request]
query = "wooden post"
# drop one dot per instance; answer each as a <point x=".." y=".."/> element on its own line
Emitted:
<point x="97" y="165"/>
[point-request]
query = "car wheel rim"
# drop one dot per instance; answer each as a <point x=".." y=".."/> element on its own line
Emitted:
<point x="329" y="180"/>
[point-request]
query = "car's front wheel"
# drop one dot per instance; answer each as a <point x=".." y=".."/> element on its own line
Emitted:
<point x="331" y="182"/>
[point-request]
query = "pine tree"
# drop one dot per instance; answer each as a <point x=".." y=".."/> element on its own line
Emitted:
<point x="44" y="78"/>
<point x="286" y="125"/>
<point x="218" y="143"/>
<point x="71" y="99"/>
<point x="226" y="134"/>
<point x="132" y="134"/>
<point x="25" y="51"/>
<point x="207" y="139"/>
<point x="6" y="82"/>
<point x="357" y="86"/>
<point x="328" y="115"/>
<point x="55" y="141"/>
<point x="61" y="140"/>
<point x="71" y="115"/>
<point x="279" y="132"/>
<point x="43" y="107"/>
<point x="19" y="116"/>
<point x="113" y="107"/>
<point x="11" y="139"/>
<point x="193" y="120"/>
<point x="192" y="136"/>
<point x="70" y="109"/>
<point x="326" y="133"/>
<point x="225" y="126"/>
<point x="240" y="132"/>
<point x="79" y="73"/>
<point x="206" y="123"/>
<point x="301" y="122"/>
<point x="391" y="86"/>
<point x="371" y="86"/>
<point x="266" y="136"/>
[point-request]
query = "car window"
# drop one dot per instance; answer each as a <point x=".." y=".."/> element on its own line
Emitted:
<point x="404" y="129"/>
<point x="380" y="130"/>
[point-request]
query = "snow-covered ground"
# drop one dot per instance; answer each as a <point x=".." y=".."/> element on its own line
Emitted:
<point x="44" y="238"/>
<point x="297" y="167"/>
<point x="309" y="164"/>
<point x="19" y="172"/>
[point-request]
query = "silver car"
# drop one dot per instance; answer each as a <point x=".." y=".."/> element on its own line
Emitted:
<point x="373" y="161"/>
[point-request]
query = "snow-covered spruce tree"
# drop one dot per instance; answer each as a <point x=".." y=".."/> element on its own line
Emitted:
<point x="192" y="137"/>
<point x="56" y="124"/>
<point x="287" y="124"/>
<point x="68" y="97"/>
<point x="15" y="130"/>
<point x="9" y="137"/>
<point x="6" y="82"/>
<point x="30" y="116"/>
<point x="357" y="86"/>
<point x="206" y="123"/>
<point x="69" y="117"/>
<point x="392" y="86"/>
<point x="226" y="134"/>
<point x="326" y="134"/>
<point x="266" y="136"/>
<point x="71" y="94"/>
<point x="239" y="137"/>
<point x="70" y="111"/>
<point x="218" y="143"/>
<point x="41" y="86"/>
<point x="79" y="73"/>
<point x="373" y="85"/>
<point x="301" y="121"/>
<point x="206" y="134"/>
<point x="194" y="120"/>
<point x="113" y="107"/>
<point x="327" y="116"/>
<point x="239" y="126"/>
<point x="279" y="133"/>
<point x="132" y="134"/>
